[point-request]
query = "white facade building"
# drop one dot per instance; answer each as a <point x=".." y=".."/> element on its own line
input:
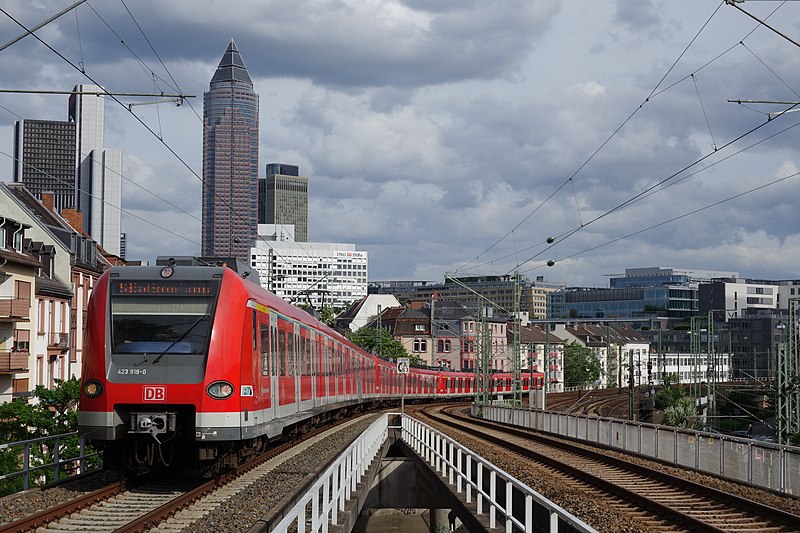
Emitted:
<point x="98" y="172"/>
<point x="370" y="309"/>
<point x="322" y="274"/>
<point x="690" y="368"/>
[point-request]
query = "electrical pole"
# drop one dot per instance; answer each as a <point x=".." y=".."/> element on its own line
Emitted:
<point x="631" y="388"/>
<point x="379" y="333"/>
<point x="516" y="365"/>
<point x="787" y="386"/>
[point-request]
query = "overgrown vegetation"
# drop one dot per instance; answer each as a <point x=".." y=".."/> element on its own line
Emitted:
<point x="382" y="343"/>
<point x="54" y="413"/>
<point x="581" y="366"/>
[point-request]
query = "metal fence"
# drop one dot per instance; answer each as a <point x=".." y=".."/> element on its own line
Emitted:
<point x="494" y="490"/>
<point x="322" y="503"/>
<point x="768" y="465"/>
<point x="43" y="461"/>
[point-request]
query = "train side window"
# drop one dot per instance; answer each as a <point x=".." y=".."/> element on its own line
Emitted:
<point x="313" y="355"/>
<point x="303" y="355"/>
<point x="282" y="355"/>
<point x="255" y="331"/>
<point x="273" y="348"/>
<point x="292" y="352"/>
<point x="264" y="350"/>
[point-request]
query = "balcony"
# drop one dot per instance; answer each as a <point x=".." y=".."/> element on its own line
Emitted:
<point x="12" y="362"/>
<point x="57" y="343"/>
<point x="14" y="309"/>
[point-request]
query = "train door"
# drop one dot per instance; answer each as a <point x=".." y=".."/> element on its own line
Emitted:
<point x="274" y="367"/>
<point x="304" y="360"/>
<point x="345" y="379"/>
<point x="330" y="381"/>
<point x="295" y="363"/>
<point x="249" y="372"/>
<point x="339" y="358"/>
<point x="265" y="407"/>
<point x="286" y="367"/>
<point x="359" y="364"/>
<point x="315" y="369"/>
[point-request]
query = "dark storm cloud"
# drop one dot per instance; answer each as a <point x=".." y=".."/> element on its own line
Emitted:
<point x="345" y="47"/>
<point x="430" y="129"/>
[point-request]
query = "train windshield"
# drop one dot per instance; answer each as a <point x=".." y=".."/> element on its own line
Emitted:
<point x="162" y="328"/>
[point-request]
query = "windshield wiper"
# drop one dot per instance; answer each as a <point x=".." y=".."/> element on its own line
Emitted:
<point x="180" y="338"/>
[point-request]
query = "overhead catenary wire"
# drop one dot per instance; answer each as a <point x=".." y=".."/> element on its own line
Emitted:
<point x="127" y="212"/>
<point x="648" y="191"/>
<point x="603" y="144"/>
<point x="655" y="92"/>
<point x="657" y="190"/>
<point x="684" y="215"/>
<point x="148" y="128"/>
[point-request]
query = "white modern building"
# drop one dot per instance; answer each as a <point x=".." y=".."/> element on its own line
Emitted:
<point x="322" y="274"/>
<point x="691" y="368"/>
<point x="99" y="170"/>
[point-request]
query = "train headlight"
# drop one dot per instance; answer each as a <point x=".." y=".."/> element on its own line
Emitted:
<point x="93" y="388"/>
<point x="220" y="390"/>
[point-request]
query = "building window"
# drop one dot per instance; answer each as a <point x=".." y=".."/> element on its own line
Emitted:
<point x="419" y="327"/>
<point x="420" y="345"/>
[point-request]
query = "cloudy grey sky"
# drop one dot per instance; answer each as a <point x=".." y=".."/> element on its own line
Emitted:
<point x="457" y="135"/>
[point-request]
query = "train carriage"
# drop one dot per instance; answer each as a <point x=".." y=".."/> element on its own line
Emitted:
<point x="195" y="361"/>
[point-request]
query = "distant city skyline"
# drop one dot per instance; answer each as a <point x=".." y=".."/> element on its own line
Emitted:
<point x="458" y="138"/>
<point x="69" y="159"/>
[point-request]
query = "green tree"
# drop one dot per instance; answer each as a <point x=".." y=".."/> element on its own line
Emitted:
<point x="671" y="393"/>
<point x="54" y="413"/>
<point x="328" y="316"/>
<point x="390" y="347"/>
<point x="580" y="365"/>
<point x="681" y="415"/>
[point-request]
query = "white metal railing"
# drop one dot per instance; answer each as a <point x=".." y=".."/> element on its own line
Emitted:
<point x="330" y="492"/>
<point x="469" y="471"/>
<point x="764" y="464"/>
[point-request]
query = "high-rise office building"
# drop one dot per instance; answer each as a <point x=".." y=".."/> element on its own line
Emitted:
<point x="283" y="199"/>
<point x="68" y="159"/>
<point x="98" y="170"/>
<point x="44" y="159"/>
<point x="230" y="160"/>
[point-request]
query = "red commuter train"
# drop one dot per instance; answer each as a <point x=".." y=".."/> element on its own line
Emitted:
<point x="197" y="362"/>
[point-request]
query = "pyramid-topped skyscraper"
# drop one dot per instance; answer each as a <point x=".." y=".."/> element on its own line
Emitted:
<point x="230" y="160"/>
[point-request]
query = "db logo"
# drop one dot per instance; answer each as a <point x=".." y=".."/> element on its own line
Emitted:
<point x="155" y="394"/>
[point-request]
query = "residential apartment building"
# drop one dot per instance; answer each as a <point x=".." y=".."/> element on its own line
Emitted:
<point x="64" y="265"/>
<point x="17" y="275"/>
<point x="541" y="350"/>
<point x="619" y="348"/>
<point x="363" y="311"/>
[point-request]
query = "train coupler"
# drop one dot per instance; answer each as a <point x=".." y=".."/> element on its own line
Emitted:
<point x="153" y="423"/>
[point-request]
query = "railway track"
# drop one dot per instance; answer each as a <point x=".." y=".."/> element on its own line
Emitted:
<point x="169" y="504"/>
<point x="656" y="500"/>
